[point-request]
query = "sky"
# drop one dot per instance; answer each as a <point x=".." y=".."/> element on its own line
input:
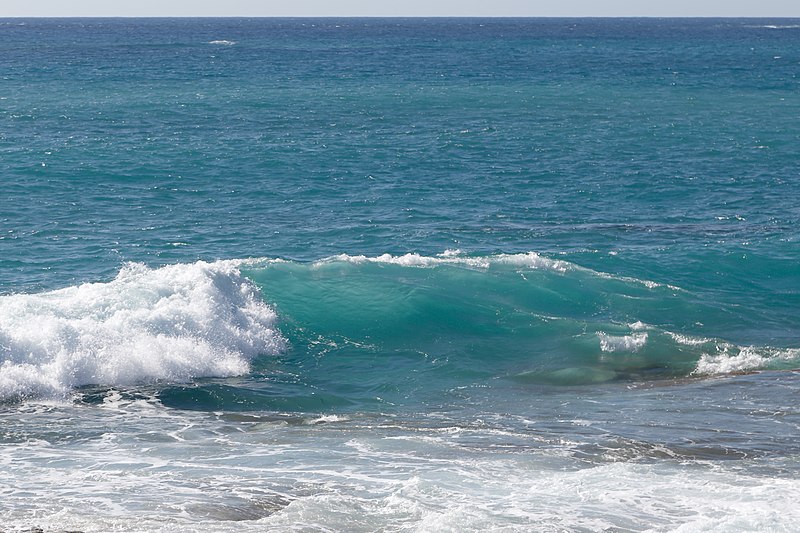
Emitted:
<point x="404" y="8"/>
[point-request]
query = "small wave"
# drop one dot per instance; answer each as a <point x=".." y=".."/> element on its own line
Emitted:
<point x="746" y="358"/>
<point x="222" y="42"/>
<point x="646" y="282"/>
<point x="775" y="26"/>
<point x="717" y="356"/>
<point x="168" y="324"/>
<point x="326" y="419"/>
<point x="622" y="343"/>
<point x="689" y="341"/>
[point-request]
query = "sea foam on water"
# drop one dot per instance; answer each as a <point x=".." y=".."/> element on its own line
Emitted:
<point x="168" y="324"/>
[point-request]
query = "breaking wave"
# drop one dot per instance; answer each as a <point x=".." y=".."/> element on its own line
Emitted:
<point x="168" y="324"/>
<point x="358" y="323"/>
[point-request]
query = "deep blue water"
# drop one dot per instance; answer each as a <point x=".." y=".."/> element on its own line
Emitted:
<point x="520" y="245"/>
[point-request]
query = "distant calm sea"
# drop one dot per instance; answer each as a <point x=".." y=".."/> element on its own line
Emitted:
<point x="399" y="275"/>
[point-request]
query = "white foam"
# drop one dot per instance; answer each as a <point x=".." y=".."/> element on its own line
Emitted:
<point x="451" y="253"/>
<point x="742" y="359"/>
<point x="627" y="279"/>
<point x="167" y="324"/>
<point x="689" y="341"/>
<point x="717" y="356"/>
<point x="222" y="42"/>
<point x="327" y="419"/>
<point x="776" y="26"/>
<point x="622" y="343"/>
<point x="530" y="259"/>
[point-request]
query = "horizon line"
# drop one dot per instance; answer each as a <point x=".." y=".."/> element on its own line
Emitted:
<point x="4" y="17"/>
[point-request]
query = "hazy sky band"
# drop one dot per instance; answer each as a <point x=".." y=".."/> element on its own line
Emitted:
<point x="406" y="8"/>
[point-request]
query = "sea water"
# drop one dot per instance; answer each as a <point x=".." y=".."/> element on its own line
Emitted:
<point x="399" y="275"/>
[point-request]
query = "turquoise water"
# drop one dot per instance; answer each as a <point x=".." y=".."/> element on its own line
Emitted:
<point x="399" y="274"/>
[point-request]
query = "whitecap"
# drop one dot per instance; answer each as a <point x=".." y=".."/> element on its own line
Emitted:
<point x="744" y="359"/>
<point x="168" y="324"/>
<point x="622" y="343"/>
<point x="529" y="259"/>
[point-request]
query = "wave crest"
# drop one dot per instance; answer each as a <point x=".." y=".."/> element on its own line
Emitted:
<point x="453" y="257"/>
<point x="622" y="343"/>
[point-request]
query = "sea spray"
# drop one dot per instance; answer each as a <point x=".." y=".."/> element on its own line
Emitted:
<point x="167" y="324"/>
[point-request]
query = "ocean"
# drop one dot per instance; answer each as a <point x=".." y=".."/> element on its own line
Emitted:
<point x="399" y="275"/>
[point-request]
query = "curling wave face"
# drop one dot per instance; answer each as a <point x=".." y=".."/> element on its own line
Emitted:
<point x="396" y="327"/>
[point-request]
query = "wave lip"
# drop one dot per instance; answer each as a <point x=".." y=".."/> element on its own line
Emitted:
<point x="168" y="324"/>
<point x="530" y="259"/>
